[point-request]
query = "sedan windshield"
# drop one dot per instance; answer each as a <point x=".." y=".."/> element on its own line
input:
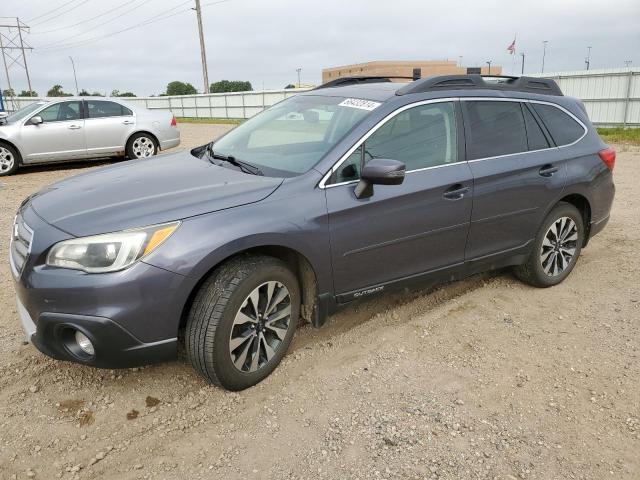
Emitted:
<point x="292" y="136"/>
<point x="23" y="112"/>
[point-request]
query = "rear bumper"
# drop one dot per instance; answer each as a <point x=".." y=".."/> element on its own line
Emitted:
<point x="597" y="227"/>
<point x="115" y="347"/>
<point x="170" y="143"/>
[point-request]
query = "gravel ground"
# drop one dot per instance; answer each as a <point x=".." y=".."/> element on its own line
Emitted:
<point x="484" y="378"/>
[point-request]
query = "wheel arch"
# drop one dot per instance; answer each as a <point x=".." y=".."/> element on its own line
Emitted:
<point x="584" y="207"/>
<point x="147" y="132"/>
<point x="297" y="262"/>
<point x="14" y="146"/>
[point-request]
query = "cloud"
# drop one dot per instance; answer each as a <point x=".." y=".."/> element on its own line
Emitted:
<point x="265" y="41"/>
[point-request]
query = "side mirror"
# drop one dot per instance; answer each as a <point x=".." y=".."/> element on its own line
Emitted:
<point x="379" y="171"/>
<point x="36" y="120"/>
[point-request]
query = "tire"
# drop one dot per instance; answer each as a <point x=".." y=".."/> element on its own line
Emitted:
<point x="215" y="342"/>
<point x="141" y="145"/>
<point x="551" y="261"/>
<point x="9" y="159"/>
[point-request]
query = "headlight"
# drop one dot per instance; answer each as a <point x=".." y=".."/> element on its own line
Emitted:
<point x="111" y="251"/>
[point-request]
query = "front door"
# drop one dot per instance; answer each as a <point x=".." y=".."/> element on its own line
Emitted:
<point x="408" y="229"/>
<point x="59" y="137"/>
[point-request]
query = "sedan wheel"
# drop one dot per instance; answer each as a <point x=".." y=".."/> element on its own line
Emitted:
<point x="8" y="160"/>
<point x="559" y="246"/>
<point x="143" y="147"/>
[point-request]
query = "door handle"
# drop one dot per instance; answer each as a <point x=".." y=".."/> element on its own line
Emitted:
<point x="455" y="192"/>
<point x="128" y="122"/>
<point x="548" y="170"/>
<point x="74" y="127"/>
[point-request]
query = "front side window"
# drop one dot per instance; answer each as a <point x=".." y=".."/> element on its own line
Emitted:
<point x="494" y="128"/>
<point x="60" y="112"/>
<point x="292" y="136"/>
<point x="563" y="129"/>
<point x="421" y="137"/>
<point x="102" y="109"/>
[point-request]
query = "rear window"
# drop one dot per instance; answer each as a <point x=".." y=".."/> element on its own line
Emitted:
<point x="494" y="128"/>
<point x="563" y="129"/>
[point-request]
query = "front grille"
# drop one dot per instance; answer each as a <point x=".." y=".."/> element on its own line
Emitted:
<point x="21" y="238"/>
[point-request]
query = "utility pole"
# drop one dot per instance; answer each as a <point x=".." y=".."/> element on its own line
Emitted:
<point x="522" y="55"/>
<point x="10" y="42"/>
<point x="74" y="75"/>
<point x="489" y="63"/>
<point x="203" y="53"/>
<point x="544" y="53"/>
<point x="587" y="60"/>
<point x="299" y="69"/>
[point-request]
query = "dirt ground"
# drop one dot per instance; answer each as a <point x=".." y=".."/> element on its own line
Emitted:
<point x="484" y="378"/>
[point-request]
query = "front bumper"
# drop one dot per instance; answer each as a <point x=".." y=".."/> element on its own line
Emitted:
<point x="131" y="316"/>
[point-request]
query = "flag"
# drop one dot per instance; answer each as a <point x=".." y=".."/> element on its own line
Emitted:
<point x="512" y="47"/>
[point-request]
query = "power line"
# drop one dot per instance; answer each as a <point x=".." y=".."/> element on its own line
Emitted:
<point x="61" y="13"/>
<point x="156" y="18"/>
<point x="82" y="21"/>
<point x="104" y="23"/>
<point x="51" y="11"/>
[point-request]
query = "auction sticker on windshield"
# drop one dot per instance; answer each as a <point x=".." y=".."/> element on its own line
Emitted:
<point x="359" y="103"/>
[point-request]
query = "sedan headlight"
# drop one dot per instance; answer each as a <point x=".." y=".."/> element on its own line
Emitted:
<point x="109" y="252"/>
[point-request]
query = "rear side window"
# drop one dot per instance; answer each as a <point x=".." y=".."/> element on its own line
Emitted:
<point x="101" y="109"/>
<point x="535" y="137"/>
<point x="494" y="128"/>
<point x="563" y="129"/>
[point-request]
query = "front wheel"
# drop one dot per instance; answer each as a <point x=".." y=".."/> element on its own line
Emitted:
<point x="141" y="145"/>
<point x="9" y="160"/>
<point x="556" y="249"/>
<point x="242" y="321"/>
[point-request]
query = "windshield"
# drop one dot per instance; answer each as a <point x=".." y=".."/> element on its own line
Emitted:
<point x="292" y="136"/>
<point x="23" y="112"/>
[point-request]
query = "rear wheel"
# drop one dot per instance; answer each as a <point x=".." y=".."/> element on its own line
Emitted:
<point x="9" y="159"/>
<point x="141" y="145"/>
<point x="556" y="249"/>
<point x="242" y="321"/>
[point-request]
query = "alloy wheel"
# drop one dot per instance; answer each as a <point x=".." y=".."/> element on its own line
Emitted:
<point x="260" y="326"/>
<point x="7" y="160"/>
<point x="143" y="147"/>
<point x="559" y="246"/>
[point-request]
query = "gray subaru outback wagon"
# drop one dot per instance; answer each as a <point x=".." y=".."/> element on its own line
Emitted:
<point x="352" y="189"/>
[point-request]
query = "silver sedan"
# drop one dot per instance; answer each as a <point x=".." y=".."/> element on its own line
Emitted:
<point x="82" y="128"/>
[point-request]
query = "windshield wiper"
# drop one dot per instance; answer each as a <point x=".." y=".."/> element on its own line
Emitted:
<point x="243" y="166"/>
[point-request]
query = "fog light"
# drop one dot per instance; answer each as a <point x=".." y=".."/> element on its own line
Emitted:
<point x="84" y="343"/>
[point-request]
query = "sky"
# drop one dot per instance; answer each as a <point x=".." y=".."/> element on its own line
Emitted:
<point x="140" y="45"/>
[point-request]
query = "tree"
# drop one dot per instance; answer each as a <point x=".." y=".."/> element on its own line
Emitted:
<point x="291" y="85"/>
<point x="180" y="88"/>
<point x="224" y="86"/>
<point x="28" y="93"/>
<point x="8" y="92"/>
<point x="117" y="93"/>
<point x="56" y="91"/>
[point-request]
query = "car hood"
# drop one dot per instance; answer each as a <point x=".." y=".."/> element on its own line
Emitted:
<point x="145" y="192"/>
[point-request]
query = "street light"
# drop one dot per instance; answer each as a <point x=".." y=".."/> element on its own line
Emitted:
<point x="74" y="75"/>
<point x="298" y="70"/>
<point x="489" y="63"/>
<point x="587" y="60"/>
<point x="544" y="53"/>
<point x="522" y="55"/>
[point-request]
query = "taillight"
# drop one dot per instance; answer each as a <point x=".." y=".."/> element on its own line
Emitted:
<point x="173" y="121"/>
<point x="608" y="156"/>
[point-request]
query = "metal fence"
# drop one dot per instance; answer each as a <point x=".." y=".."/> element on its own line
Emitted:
<point x="612" y="98"/>
<point x="213" y="105"/>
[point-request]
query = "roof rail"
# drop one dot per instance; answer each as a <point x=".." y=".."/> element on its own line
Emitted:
<point x="342" y="81"/>
<point x="545" y="86"/>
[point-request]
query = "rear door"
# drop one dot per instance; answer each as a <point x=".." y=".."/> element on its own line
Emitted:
<point x="408" y="229"/>
<point x="59" y="137"/>
<point x="108" y="126"/>
<point x="517" y="175"/>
